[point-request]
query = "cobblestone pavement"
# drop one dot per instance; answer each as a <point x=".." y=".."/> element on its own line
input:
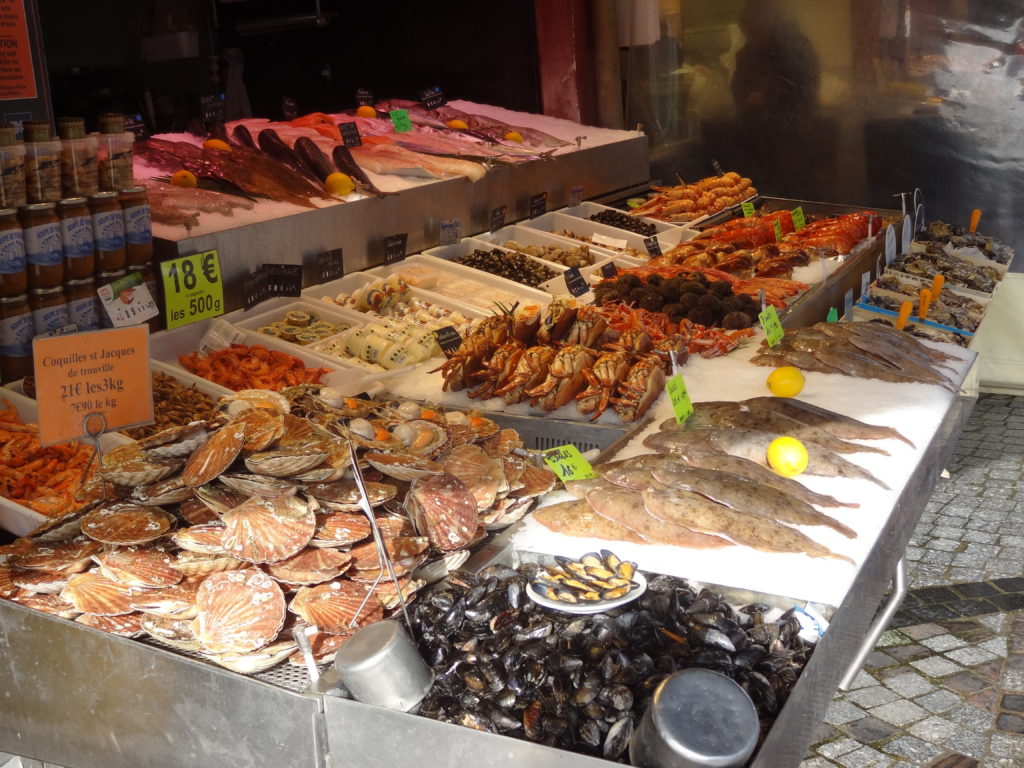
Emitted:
<point x="944" y="686"/>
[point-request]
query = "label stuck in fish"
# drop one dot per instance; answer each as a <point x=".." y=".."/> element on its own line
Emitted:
<point x="748" y="209"/>
<point x="568" y="463"/>
<point x="777" y="226"/>
<point x="682" y="406"/>
<point x="400" y="120"/>
<point x="833" y="315"/>
<point x="772" y="325"/>
<point x="799" y="222"/>
<point x="350" y="134"/>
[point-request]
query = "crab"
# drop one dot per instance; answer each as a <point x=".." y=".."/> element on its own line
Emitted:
<point x="469" y="358"/>
<point x="608" y="370"/>
<point x="639" y="388"/>
<point x="557" y="319"/>
<point x="498" y="369"/>
<point x="530" y="372"/>
<point x="588" y="327"/>
<point x="565" y="377"/>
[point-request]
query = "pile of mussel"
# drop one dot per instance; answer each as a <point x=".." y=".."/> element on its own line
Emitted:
<point x="506" y="665"/>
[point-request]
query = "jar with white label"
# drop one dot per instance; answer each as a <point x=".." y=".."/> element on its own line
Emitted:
<point x="115" y="152"/>
<point x="12" y="168"/>
<point x="15" y="338"/>
<point x="13" y="277"/>
<point x="42" y="163"/>
<point x="49" y="309"/>
<point x="108" y="231"/>
<point x="77" y="238"/>
<point x="138" y="224"/>
<point x="78" y="166"/>
<point x="83" y="304"/>
<point x="44" y="251"/>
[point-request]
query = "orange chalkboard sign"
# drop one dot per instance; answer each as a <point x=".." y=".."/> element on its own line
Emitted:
<point x="90" y="383"/>
<point x="17" y="79"/>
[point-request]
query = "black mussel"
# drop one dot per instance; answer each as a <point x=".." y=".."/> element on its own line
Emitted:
<point x="503" y="621"/>
<point x="627" y="619"/>
<point x="713" y="658"/>
<point x="739" y="638"/>
<point x="600" y="572"/>
<point x="609" y="665"/>
<point x="764" y="634"/>
<point x="754" y="608"/>
<point x="477" y="720"/>
<point x="706" y="619"/>
<point x="556" y="725"/>
<point x="593" y="559"/>
<point x="493" y="675"/>
<point x="650" y="684"/>
<point x="615" y="593"/>
<point x="475" y="595"/>
<point x="532" y="725"/>
<point x="442" y="600"/>
<point x="589" y="733"/>
<point x="516" y="682"/>
<point x="626" y="569"/>
<point x="661" y="583"/>
<point x="642" y="663"/>
<point x="750" y="657"/>
<point x="514" y="595"/>
<point x="617" y="740"/>
<point x="761" y="692"/>
<point x="588" y="689"/>
<point x="499" y="572"/>
<point x="575" y="626"/>
<point x="561" y="689"/>
<point x="473" y="678"/>
<point x="534" y="673"/>
<point x="478" y="614"/>
<point x="611" y="560"/>
<point x="469" y="700"/>
<point x="579" y="586"/>
<point x="462" y="579"/>
<point x="438" y="656"/>
<point x="501" y="719"/>
<point x="569" y="663"/>
<point x="538" y="628"/>
<point x="617" y="696"/>
<point x="712" y="637"/>
<point x="665" y="664"/>
<point x="505" y="699"/>
<point x="594" y="709"/>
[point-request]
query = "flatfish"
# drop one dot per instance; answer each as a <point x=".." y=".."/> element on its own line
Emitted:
<point x="627" y="508"/>
<point x="638" y="479"/>
<point x="580" y="488"/>
<point x="697" y="513"/>
<point x="576" y="518"/>
<point x="839" y="425"/>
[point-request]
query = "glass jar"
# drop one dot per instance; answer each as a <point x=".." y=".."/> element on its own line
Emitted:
<point x="115" y="153"/>
<point x="49" y="309"/>
<point x="79" y="173"/>
<point x="138" y="225"/>
<point x="108" y="230"/>
<point x="77" y="238"/>
<point x="12" y="167"/>
<point x="44" y="251"/>
<point x="83" y="304"/>
<point x="42" y="163"/>
<point x="15" y="338"/>
<point x="106" y="278"/>
<point x="13" y="276"/>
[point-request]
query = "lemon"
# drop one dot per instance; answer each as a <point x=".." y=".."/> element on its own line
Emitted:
<point x="339" y="184"/>
<point x="216" y="144"/>
<point x="366" y="111"/>
<point x="787" y="456"/>
<point x="514" y="136"/>
<point x="184" y="179"/>
<point x="457" y="125"/>
<point x="786" y="381"/>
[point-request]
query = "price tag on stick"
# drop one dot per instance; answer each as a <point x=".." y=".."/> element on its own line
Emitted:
<point x="832" y="316"/>
<point x="568" y="463"/>
<point x="576" y="196"/>
<point x="772" y="325"/>
<point x="350" y="135"/>
<point x="283" y="279"/>
<point x="451" y="231"/>
<point x="400" y="120"/>
<point x="432" y="98"/>
<point x="91" y="383"/>
<point x="448" y="338"/>
<point x="653" y="245"/>
<point x="682" y="407"/>
<point x="193" y="289"/>
<point x="608" y="269"/>
<point x="254" y="289"/>
<point x="575" y="283"/>
<point x="127" y="301"/>
<point x="364" y="97"/>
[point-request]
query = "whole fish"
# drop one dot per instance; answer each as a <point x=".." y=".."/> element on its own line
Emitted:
<point x="576" y="518"/>
<point x="497" y="129"/>
<point x="745" y="495"/>
<point x="627" y="508"/>
<point x="838" y="424"/>
<point x="346" y="164"/>
<point x="753" y="445"/>
<point x="313" y="158"/>
<point x="805" y="361"/>
<point x="867" y="368"/>
<point x="922" y="368"/>
<point x="242" y="137"/>
<point x="633" y="479"/>
<point x="744" y="416"/>
<point x="699" y="514"/>
<point x="897" y="338"/>
<point x="270" y="143"/>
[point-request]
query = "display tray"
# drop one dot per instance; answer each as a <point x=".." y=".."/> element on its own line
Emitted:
<point x="556" y="221"/>
<point x="527" y="236"/>
<point x="587" y="209"/>
<point x="468" y="245"/>
<point x="355" y="280"/>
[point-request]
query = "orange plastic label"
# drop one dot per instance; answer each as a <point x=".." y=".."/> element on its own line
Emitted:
<point x="90" y="383"/>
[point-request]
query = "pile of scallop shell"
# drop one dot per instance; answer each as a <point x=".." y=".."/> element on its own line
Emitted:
<point x="220" y="537"/>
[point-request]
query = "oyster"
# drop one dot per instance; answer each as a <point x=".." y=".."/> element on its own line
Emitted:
<point x="95" y="593"/>
<point x="124" y="625"/>
<point x="139" y="567"/>
<point x="268" y="530"/>
<point x="311" y="566"/>
<point x="444" y="509"/>
<point x="124" y="523"/>
<point x="239" y="611"/>
<point x="335" y="607"/>
<point x="215" y="455"/>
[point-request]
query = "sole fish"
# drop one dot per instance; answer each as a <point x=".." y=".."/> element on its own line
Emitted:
<point x="744" y="495"/>
<point x="580" y="488"/>
<point x="897" y="338"/>
<point x="576" y="518"/>
<point x="839" y="425"/>
<point x="627" y="508"/>
<point x="923" y="369"/>
<point x="635" y="479"/>
<point x="864" y="367"/>
<point x="697" y="513"/>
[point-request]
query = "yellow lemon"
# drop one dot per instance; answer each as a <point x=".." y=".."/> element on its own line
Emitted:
<point x="457" y="125"/>
<point x="339" y="184"/>
<point x="787" y="456"/>
<point x="366" y="111"/>
<point x="786" y="381"/>
<point x="514" y="136"/>
<point x="216" y="144"/>
<point x="184" y="179"/>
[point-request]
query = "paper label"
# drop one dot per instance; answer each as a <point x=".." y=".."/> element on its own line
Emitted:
<point x="575" y="283"/>
<point x="847" y="304"/>
<point x="254" y="289"/>
<point x="289" y="108"/>
<point x="497" y="218"/>
<point x="400" y="120"/>
<point x="46" y="319"/>
<point x="138" y="225"/>
<point x="76" y="234"/>
<point x="283" y="279"/>
<point x="432" y="98"/>
<point x="538" y="204"/>
<point x="12" y="251"/>
<point x="682" y="407"/>
<point x="330" y="265"/>
<point x="865" y="282"/>
<point x="575" y="196"/>
<point x="108" y="230"/>
<point x="364" y="97"/>
<point x="890" y="244"/>
<point x="350" y="135"/>
<point x="798" y="218"/>
<point x="16" y="336"/>
<point x="451" y="231"/>
<point x="127" y="301"/>
<point x="43" y="246"/>
<point x="772" y="325"/>
<point x="92" y="382"/>
<point x="83" y="313"/>
<point x="609" y="269"/>
<point x="211" y="107"/>
<point x="614" y="243"/>
<point x="394" y="248"/>
<point x="568" y="463"/>
<point x="748" y="209"/>
<point x="193" y="289"/>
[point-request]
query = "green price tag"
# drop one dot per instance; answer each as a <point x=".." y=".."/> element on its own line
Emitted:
<point x="772" y="325"/>
<point x="748" y="209"/>
<point x="567" y="462"/>
<point x="833" y="316"/>
<point x="400" y="119"/>
<point x="777" y="226"/>
<point x="193" y="289"/>
<point x="682" y="407"/>
<point x="798" y="218"/>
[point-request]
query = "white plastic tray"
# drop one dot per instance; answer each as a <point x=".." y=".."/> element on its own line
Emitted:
<point x="469" y="244"/>
<point x="587" y="209"/>
<point x="354" y="280"/>
<point x="555" y="221"/>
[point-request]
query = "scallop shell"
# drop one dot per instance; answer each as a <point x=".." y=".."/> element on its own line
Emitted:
<point x="52" y="604"/>
<point x="215" y="455"/>
<point x="335" y="529"/>
<point x="258" y="485"/>
<point x="72" y="556"/>
<point x="39" y="582"/>
<point x="7" y="587"/>
<point x="60" y="527"/>
<point x="394" y="526"/>
<point x="125" y="524"/>
<point x="255" y="661"/>
<point x="239" y="611"/>
<point x="176" y="633"/>
<point x="482" y="474"/>
<point x="177" y="602"/>
<point x="343" y="496"/>
<point x="323" y="647"/>
<point x="444" y="509"/>
<point x="94" y="593"/>
<point x="262" y="427"/>
<point x="203" y="564"/>
<point x="402" y="466"/>
<point x="513" y="466"/>
<point x="194" y="511"/>
<point x="506" y="512"/>
<point x="435" y="570"/>
<point x="300" y="433"/>
<point x="282" y="462"/>
<point x="421" y="437"/>
<point x="170" y="491"/>
<point x="139" y="567"/>
<point x="219" y="498"/>
<point x="127" y="465"/>
<point x="268" y="530"/>
<point x="483" y="428"/>
<point x="387" y="593"/>
<point x="175" y="441"/>
<point x="365" y="556"/>
<point x="333" y="468"/>
<point x="536" y="481"/>
<point x="311" y="566"/>
<point x="502" y="443"/>
<point x="123" y="625"/>
<point x="247" y="399"/>
<point x="206" y="539"/>
<point x="333" y="607"/>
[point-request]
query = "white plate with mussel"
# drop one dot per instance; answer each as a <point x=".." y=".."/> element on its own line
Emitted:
<point x="595" y="582"/>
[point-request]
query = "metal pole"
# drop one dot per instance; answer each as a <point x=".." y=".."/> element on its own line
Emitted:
<point x="899" y="591"/>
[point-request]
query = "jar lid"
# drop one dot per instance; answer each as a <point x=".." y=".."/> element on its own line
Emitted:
<point x="132" y="191"/>
<point x="42" y="291"/>
<point x="73" y="201"/>
<point x="79" y="281"/>
<point x="111" y="122"/>
<point x="39" y="207"/>
<point x="71" y="127"/>
<point x="37" y="130"/>
<point x="8" y="211"/>
<point x="12" y="299"/>
<point x="111" y="275"/>
<point x="103" y="195"/>
<point x="138" y="267"/>
<point x="8" y="135"/>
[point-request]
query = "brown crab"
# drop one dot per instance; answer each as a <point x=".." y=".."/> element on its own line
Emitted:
<point x="565" y="377"/>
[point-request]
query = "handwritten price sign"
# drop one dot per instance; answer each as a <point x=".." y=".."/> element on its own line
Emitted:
<point x="568" y="463"/>
<point x="193" y="289"/>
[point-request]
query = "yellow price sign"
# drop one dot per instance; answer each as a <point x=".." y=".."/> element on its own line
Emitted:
<point x="193" y="289"/>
